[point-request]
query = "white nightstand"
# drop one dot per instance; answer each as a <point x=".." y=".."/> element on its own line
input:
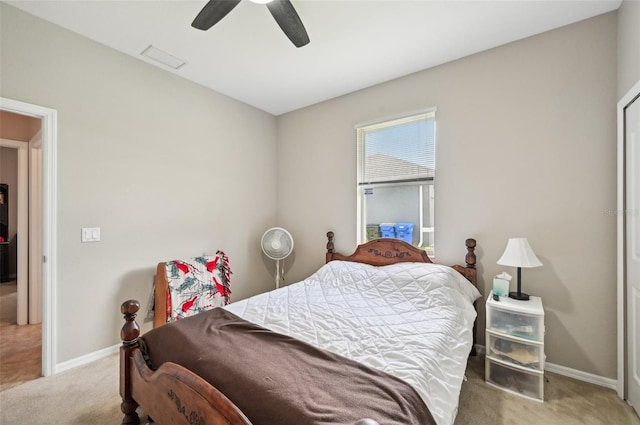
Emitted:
<point x="515" y="357"/>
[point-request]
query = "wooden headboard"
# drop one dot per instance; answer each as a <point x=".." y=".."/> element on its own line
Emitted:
<point x="385" y="251"/>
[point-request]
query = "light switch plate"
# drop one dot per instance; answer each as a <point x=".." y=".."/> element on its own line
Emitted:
<point x="90" y="234"/>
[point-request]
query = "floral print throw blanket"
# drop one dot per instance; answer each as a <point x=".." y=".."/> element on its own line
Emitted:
<point x="197" y="284"/>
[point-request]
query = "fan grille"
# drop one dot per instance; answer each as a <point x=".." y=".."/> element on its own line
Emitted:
<point x="277" y="243"/>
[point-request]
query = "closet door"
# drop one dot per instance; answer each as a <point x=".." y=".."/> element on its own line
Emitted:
<point x="632" y="236"/>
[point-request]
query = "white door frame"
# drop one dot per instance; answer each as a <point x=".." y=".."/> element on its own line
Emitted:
<point x="622" y="287"/>
<point x="49" y="119"/>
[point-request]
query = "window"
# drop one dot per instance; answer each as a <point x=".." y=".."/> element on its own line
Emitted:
<point x="396" y="172"/>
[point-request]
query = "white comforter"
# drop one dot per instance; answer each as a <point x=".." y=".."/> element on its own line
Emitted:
<point x="411" y="320"/>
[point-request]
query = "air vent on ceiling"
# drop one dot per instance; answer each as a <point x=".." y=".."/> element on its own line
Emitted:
<point x="163" y="57"/>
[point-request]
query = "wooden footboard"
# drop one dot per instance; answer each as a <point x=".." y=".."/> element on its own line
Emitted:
<point x="171" y="393"/>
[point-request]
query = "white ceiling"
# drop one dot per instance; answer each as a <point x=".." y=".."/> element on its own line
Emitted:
<point x="354" y="43"/>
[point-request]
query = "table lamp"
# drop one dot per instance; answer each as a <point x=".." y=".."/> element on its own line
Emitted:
<point x="519" y="254"/>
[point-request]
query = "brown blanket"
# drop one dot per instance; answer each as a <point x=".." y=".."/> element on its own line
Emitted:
<point x="278" y="380"/>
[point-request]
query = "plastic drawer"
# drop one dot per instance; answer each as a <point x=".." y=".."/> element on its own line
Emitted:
<point x="516" y="351"/>
<point x="516" y="381"/>
<point x="528" y="326"/>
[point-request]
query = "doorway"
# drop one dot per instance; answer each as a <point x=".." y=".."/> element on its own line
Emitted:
<point x="21" y="285"/>
<point x="46" y="264"/>
<point x="20" y="211"/>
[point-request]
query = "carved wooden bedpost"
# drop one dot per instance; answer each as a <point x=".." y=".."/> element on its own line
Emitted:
<point x="470" y="259"/>
<point x="469" y="271"/>
<point x="330" y="247"/>
<point x="129" y="335"/>
<point x="472" y="274"/>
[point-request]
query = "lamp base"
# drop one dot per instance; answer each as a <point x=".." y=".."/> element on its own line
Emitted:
<point x="519" y="296"/>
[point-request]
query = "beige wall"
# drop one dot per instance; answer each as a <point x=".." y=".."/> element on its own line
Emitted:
<point x="628" y="45"/>
<point x="164" y="167"/>
<point x="526" y="147"/>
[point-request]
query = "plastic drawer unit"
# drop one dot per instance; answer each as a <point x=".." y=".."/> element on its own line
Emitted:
<point x="515" y="357"/>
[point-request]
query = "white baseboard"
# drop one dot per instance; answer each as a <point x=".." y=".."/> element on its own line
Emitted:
<point x="582" y="376"/>
<point x="87" y="358"/>
<point x="571" y="373"/>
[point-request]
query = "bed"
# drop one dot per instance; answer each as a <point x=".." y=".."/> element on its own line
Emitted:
<point x="379" y="335"/>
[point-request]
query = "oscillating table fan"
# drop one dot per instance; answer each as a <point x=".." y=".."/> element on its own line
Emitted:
<point x="277" y="244"/>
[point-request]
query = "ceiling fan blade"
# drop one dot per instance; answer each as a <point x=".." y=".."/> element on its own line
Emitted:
<point x="287" y="17"/>
<point x="213" y="12"/>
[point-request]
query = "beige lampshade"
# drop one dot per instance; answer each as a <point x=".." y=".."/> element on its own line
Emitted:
<point x="519" y="254"/>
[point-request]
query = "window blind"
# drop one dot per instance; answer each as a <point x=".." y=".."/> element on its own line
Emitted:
<point x="395" y="151"/>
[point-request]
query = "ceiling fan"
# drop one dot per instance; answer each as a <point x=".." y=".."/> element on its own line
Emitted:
<point x="281" y="10"/>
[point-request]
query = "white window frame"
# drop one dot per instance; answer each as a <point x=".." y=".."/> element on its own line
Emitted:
<point x="361" y="205"/>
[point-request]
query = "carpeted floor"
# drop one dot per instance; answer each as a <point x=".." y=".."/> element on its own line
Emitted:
<point x="567" y="402"/>
<point x="88" y="395"/>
